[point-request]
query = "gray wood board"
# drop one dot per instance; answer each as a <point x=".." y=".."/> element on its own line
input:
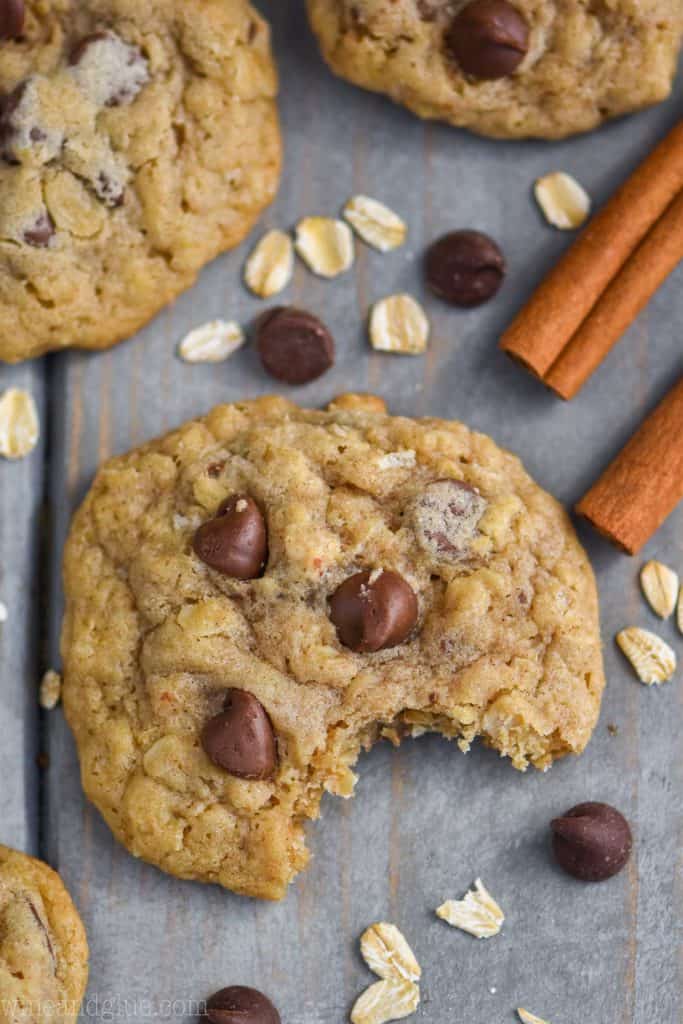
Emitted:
<point x="426" y="820"/>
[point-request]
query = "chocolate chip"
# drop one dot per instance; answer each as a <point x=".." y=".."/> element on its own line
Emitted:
<point x="12" y="15"/>
<point x="446" y="518"/>
<point x="465" y="268"/>
<point x="488" y="38"/>
<point x="241" y="739"/>
<point x="240" y="1005"/>
<point x="294" y="345"/>
<point x="81" y="48"/>
<point x="592" y="841"/>
<point x="373" y="610"/>
<point x="109" y="70"/>
<point x="235" y="541"/>
<point x="41" y="231"/>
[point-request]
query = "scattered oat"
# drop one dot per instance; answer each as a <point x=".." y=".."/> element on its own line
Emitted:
<point x="660" y="586"/>
<point x="325" y="245"/>
<point x="3" y="612"/>
<point x="529" y="1018"/>
<point x="478" y="913"/>
<point x="399" y="324"/>
<point x="387" y="953"/>
<point x="270" y="265"/>
<point x="565" y="203"/>
<point x="385" y="1001"/>
<point x="652" y="658"/>
<point x="679" y="613"/>
<point x="19" y="425"/>
<point x="50" y="690"/>
<point x="375" y="223"/>
<point x="403" y="459"/>
<point x="212" y="342"/>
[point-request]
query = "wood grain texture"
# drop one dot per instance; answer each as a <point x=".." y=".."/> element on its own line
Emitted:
<point x="426" y="819"/>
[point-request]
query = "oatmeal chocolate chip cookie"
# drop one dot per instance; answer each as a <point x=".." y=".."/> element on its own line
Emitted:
<point x="257" y="597"/>
<point x="507" y="68"/>
<point x="137" y="141"/>
<point x="43" y="948"/>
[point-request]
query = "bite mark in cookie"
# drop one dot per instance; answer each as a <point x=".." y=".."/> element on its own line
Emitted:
<point x="415" y="579"/>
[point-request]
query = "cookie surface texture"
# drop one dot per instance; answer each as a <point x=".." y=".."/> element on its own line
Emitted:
<point x="570" y="65"/>
<point x="213" y="704"/>
<point x="43" y="948"/>
<point x="137" y="141"/>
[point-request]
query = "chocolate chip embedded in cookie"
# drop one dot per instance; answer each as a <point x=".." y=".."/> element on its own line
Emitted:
<point x="446" y="517"/>
<point x="108" y="70"/>
<point x="165" y="115"/>
<point x="240" y="739"/>
<point x="240" y="1005"/>
<point x="506" y="68"/>
<point x="488" y="38"/>
<point x="43" y="948"/>
<point x="235" y="541"/>
<point x="12" y="16"/>
<point x="314" y="656"/>
<point x="373" y="610"/>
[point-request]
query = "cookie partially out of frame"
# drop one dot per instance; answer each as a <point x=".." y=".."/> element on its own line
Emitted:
<point x="564" y="67"/>
<point x="43" y="948"/>
<point x="215" y="675"/>
<point x="137" y="141"/>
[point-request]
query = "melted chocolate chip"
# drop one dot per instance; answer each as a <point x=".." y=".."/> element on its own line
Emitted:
<point x="446" y="518"/>
<point x="488" y="38"/>
<point x="12" y="16"/>
<point x="81" y="48"/>
<point x="373" y="610"/>
<point x="294" y="345"/>
<point x="235" y="542"/>
<point x="241" y="739"/>
<point x="592" y="841"/>
<point x="40" y="232"/>
<point x="240" y="1005"/>
<point x="465" y="268"/>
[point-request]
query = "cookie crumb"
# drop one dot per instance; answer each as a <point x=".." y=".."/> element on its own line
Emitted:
<point x="50" y="690"/>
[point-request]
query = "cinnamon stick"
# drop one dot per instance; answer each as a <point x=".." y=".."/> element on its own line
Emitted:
<point x="644" y="483"/>
<point x="558" y="307"/>
<point x="630" y="291"/>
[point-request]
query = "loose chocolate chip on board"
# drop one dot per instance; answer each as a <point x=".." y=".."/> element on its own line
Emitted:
<point x="446" y="517"/>
<point x="235" y="541"/>
<point x="294" y="346"/>
<point x="373" y="610"/>
<point x="12" y="15"/>
<point x="592" y="841"/>
<point x="465" y="268"/>
<point x="241" y="739"/>
<point x="240" y="1005"/>
<point x="488" y="38"/>
<point x="40" y="232"/>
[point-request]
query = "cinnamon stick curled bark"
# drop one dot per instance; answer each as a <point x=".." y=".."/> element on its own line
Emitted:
<point x="644" y="483"/>
<point x="630" y="291"/>
<point x="561" y="303"/>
